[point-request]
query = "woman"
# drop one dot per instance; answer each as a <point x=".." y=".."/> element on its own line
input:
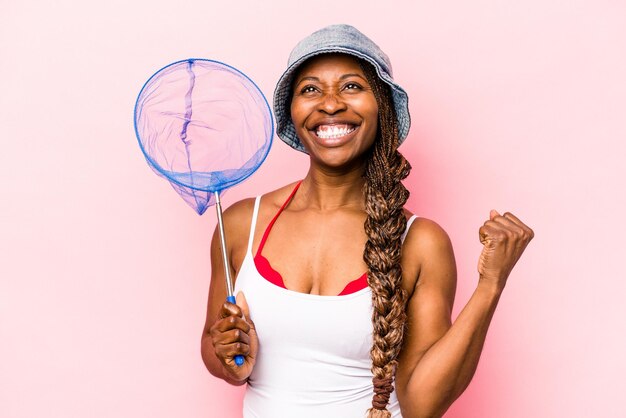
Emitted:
<point x="328" y="339"/>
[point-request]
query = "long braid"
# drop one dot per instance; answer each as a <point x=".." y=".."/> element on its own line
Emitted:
<point x="385" y="197"/>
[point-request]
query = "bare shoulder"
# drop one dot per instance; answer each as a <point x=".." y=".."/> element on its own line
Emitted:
<point x="426" y="246"/>
<point x="239" y="209"/>
<point x="426" y="234"/>
<point x="237" y="218"/>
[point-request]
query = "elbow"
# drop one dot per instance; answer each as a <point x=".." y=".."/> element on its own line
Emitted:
<point x="424" y="411"/>
<point x="207" y="354"/>
<point x="429" y="403"/>
<point x="209" y="358"/>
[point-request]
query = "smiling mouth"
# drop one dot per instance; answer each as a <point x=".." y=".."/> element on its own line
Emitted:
<point x="334" y="131"/>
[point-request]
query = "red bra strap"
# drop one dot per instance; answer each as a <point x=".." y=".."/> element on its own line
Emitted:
<point x="269" y="227"/>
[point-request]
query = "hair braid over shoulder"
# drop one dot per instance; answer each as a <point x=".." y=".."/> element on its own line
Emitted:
<point x="385" y="197"/>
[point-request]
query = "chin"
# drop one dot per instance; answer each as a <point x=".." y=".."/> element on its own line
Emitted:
<point x="337" y="160"/>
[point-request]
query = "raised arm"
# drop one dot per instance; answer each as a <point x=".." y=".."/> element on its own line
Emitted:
<point x="438" y="359"/>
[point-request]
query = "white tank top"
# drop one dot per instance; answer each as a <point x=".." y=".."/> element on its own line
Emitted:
<point x="314" y="351"/>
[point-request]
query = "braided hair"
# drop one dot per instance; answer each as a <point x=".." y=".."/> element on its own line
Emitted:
<point x="385" y="197"/>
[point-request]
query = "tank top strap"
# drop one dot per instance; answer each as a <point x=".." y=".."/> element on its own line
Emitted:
<point x="255" y="214"/>
<point x="408" y="225"/>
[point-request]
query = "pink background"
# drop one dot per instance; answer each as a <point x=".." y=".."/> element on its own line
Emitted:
<point x="516" y="106"/>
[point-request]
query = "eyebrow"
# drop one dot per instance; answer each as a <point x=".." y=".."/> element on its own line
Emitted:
<point x="343" y="77"/>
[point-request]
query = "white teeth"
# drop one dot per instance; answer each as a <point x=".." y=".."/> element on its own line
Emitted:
<point x="333" y="131"/>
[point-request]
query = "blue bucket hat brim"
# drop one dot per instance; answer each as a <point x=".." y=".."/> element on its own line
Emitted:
<point x="343" y="39"/>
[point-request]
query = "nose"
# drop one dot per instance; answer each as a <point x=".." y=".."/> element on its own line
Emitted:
<point x="331" y="103"/>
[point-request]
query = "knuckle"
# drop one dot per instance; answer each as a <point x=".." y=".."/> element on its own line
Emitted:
<point x="519" y="232"/>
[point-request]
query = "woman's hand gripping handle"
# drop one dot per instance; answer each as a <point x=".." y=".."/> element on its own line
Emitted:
<point x="234" y="337"/>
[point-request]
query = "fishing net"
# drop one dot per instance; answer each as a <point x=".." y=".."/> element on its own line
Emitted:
<point x="204" y="126"/>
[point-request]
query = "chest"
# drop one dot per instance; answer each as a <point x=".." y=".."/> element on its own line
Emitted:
<point x="317" y="254"/>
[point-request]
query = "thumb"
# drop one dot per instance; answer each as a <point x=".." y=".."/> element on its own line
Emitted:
<point x="492" y="214"/>
<point x="243" y="304"/>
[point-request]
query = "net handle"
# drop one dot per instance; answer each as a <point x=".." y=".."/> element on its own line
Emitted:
<point x="239" y="360"/>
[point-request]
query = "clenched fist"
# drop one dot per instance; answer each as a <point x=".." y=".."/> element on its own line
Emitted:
<point x="504" y="238"/>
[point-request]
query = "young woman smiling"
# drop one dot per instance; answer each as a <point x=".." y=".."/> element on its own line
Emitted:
<point x="344" y="297"/>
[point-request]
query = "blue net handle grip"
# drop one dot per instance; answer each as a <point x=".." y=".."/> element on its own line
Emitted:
<point x="238" y="358"/>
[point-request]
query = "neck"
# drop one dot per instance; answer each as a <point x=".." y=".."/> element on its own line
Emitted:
<point x="324" y="189"/>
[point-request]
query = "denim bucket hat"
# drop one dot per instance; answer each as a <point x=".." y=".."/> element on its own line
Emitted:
<point x="343" y="39"/>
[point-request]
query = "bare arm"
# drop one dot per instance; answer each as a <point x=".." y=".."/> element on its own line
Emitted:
<point x="439" y="359"/>
<point x="228" y="330"/>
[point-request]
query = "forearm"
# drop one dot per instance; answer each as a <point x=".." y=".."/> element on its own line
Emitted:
<point x="447" y="367"/>
<point x="213" y="364"/>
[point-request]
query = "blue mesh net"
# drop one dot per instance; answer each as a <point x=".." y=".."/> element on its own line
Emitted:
<point x="204" y="126"/>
